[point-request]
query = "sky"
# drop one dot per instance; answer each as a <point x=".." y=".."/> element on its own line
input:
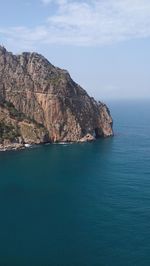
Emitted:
<point x="104" y="44"/>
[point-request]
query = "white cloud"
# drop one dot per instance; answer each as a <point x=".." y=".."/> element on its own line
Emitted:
<point x="87" y="23"/>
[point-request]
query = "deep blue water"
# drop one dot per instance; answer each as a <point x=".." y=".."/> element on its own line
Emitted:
<point x="80" y="204"/>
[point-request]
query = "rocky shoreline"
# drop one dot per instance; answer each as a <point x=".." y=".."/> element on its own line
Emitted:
<point x="13" y="146"/>
<point x="9" y="146"/>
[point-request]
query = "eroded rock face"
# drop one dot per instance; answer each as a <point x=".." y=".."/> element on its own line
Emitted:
<point x="47" y="96"/>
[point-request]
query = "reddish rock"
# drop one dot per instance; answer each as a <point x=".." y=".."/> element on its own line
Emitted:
<point x="54" y="108"/>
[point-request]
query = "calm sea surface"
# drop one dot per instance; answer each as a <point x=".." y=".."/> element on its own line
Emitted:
<point x="80" y="204"/>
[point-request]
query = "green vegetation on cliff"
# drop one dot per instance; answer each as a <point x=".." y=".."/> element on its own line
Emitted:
<point x="8" y="131"/>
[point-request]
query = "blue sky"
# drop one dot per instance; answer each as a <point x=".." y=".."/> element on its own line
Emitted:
<point x="104" y="44"/>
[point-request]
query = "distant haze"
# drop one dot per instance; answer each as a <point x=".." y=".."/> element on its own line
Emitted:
<point x="105" y="45"/>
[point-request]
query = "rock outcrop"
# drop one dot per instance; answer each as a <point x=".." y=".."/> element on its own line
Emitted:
<point x="41" y="103"/>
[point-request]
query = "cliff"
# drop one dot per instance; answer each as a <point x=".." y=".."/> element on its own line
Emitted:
<point x="41" y="103"/>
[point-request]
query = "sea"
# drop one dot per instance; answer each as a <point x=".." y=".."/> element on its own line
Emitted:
<point x="80" y="204"/>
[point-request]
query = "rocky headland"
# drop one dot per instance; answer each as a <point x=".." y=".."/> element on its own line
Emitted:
<point x="40" y="103"/>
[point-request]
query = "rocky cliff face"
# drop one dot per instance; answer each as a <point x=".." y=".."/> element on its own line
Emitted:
<point x="41" y="103"/>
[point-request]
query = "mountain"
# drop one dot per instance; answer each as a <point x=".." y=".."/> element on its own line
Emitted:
<point x="40" y="103"/>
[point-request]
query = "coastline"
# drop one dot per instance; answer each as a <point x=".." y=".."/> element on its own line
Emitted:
<point x="12" y="147"/>
<point x="20" y="146"/>
<point x="9" y="146"/>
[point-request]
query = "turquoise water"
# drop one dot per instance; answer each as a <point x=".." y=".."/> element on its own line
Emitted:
<point x="80" y="204"/>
